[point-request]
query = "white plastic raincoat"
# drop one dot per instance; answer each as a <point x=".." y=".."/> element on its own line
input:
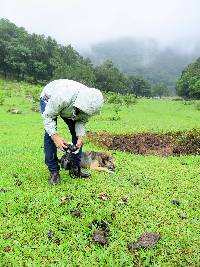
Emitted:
<point x="62" y="97"/>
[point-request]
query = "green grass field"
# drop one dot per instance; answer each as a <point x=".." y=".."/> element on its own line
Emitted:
<point x="37" y="229"/>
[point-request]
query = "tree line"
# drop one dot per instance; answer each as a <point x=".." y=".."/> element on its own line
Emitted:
<point x="39" y="59"/>
<point x="188" y="86"/>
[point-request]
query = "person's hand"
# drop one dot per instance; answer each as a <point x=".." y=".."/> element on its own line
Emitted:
<point x="79" y="142"/>
<point x="59" y="141"/>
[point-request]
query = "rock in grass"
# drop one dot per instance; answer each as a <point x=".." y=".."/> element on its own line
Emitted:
<point x="101" y="233"/>
<point x="124" y="200"/>
<point x="50" y="235"/>
<point x="14" y="111"/>
<point x="99" y="237"/>
<point x="146" y="240"/>
<point x="181" y="216"/>
<point x="103" y="196"/>
<point x="3" y="190"/>
<point x="64" y="200"/>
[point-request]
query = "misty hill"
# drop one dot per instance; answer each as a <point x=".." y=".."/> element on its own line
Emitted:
<point x="143" y="57"/>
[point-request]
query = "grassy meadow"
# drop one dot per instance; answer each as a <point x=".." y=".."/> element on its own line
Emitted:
<point x="37" y="228"/>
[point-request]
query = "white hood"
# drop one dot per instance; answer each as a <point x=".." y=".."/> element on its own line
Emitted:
<point x="89" y="100"/>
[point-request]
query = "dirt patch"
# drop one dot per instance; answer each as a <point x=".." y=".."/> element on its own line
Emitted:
<point x="168" y="144"/>
<point x="146" y="240"/>
<point x="100" y="235"/>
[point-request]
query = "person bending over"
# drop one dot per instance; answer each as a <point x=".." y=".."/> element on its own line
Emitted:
<point x="74" y="103"/>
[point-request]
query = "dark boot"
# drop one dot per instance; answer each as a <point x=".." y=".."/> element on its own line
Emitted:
<point x="54" y="178"/>
<point x="77" y="173"/>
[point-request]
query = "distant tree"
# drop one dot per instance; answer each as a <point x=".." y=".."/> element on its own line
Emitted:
<point x="109" y="78"/>
<point x="37" y="58"/>
<point x="159" y="90"/>
<point x="188" y="86"/>
<point x="12" y="50"/>
<point x="138" y="86"/>
<point x="77" y="71"/>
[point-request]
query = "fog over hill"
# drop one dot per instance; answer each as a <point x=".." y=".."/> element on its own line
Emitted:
<point x="145" y="57"/>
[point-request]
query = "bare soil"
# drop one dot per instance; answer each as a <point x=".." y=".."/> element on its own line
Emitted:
<point x="168" y="144"/>
<point x="146" y="240"/>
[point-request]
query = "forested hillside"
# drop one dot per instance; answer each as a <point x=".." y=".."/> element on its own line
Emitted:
<point x="117" y="66"/>
<point x="39" y="59"/>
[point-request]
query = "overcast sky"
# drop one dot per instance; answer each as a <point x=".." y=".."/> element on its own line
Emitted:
<point x="84" y="22"/>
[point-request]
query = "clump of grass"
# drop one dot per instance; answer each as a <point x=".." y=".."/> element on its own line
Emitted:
<point x="35" y="107"/>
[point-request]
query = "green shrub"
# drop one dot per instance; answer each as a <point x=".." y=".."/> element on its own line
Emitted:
<point x="32" y="92"/>
<point x="129" y="100"/>
<point x="35" y="107"/>
<point x="35" y="93"/>
<point x="113" y="98"/>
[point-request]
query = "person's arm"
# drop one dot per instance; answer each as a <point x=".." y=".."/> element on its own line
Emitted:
<point x="80" y="129"/>
<point x="52" y="110"/>
<point x="59" y="141"/>
<point x="80" y="132"/>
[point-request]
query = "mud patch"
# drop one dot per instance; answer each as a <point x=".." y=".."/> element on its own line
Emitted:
<point x="146" y="240"/>
<point x="100" y="235"/>
<point x="168" y="144"/>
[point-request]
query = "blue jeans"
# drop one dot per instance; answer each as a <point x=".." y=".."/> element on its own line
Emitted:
<point x="50" y="150"/>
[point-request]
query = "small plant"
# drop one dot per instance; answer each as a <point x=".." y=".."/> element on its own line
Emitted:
<point x="35" y="107"/>
<point x="114" y="99"/>
<point x="35" y="93"/>
<point x="129" y="100"/>
<point x="118" y="101"/>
